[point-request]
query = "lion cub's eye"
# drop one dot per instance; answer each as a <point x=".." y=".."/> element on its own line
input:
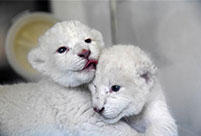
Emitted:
<point x="62" y="49"/>
<point x="88" y="40"/>
<point x="115" y="88"/>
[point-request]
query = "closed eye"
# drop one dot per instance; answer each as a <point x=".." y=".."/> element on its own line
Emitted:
<point x="92" y="87"/>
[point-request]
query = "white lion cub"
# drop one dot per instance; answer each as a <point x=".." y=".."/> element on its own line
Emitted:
<point x="67" y="56"/>
<point x="126" y="87"/>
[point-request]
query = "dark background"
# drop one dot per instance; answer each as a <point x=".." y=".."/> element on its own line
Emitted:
<point x="8" y="10"/>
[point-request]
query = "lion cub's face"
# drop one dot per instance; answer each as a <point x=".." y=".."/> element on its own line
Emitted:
<point x="68" y="53"/>
<point x="123" y="81"/>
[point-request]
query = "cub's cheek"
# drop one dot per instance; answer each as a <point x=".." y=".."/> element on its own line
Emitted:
<point x="95" y="51"/>
<point x="111" y="112"/>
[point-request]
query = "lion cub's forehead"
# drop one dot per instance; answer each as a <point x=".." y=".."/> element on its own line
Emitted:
<point x="75" y="29"/>
<point x="65" y="32"/>
<point x="122" y="57"/>
<point x="120" y="61"/>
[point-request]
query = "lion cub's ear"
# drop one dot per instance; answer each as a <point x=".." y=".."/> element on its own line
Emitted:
<point x="98" y="36"/>
<point x="147" y="71"/>
<point x="37" y="59"/>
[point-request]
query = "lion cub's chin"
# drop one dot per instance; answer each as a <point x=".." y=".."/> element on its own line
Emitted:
<point x="111" y="120"/>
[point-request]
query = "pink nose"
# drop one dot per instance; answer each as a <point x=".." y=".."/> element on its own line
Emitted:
<point x="84" y="53"/>
<point x="99" y="110"/>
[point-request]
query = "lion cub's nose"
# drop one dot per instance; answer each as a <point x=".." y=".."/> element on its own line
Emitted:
<point x="99" y="110"/>
<point x="84" y="53"/>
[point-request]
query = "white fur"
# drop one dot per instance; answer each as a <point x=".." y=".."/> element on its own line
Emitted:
<point x="65" y="68"/>
<point x="57" y="105"/>
<point x="140" y="101"/>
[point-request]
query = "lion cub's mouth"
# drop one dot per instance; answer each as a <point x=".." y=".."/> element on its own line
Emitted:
<point x="91" y="64"/>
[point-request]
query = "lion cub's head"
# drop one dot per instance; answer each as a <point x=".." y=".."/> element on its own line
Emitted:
<point x="123" y="81"/>
<point x="67" y="53"/>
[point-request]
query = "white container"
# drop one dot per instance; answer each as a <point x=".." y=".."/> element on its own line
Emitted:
<point x="23" y="36"/>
